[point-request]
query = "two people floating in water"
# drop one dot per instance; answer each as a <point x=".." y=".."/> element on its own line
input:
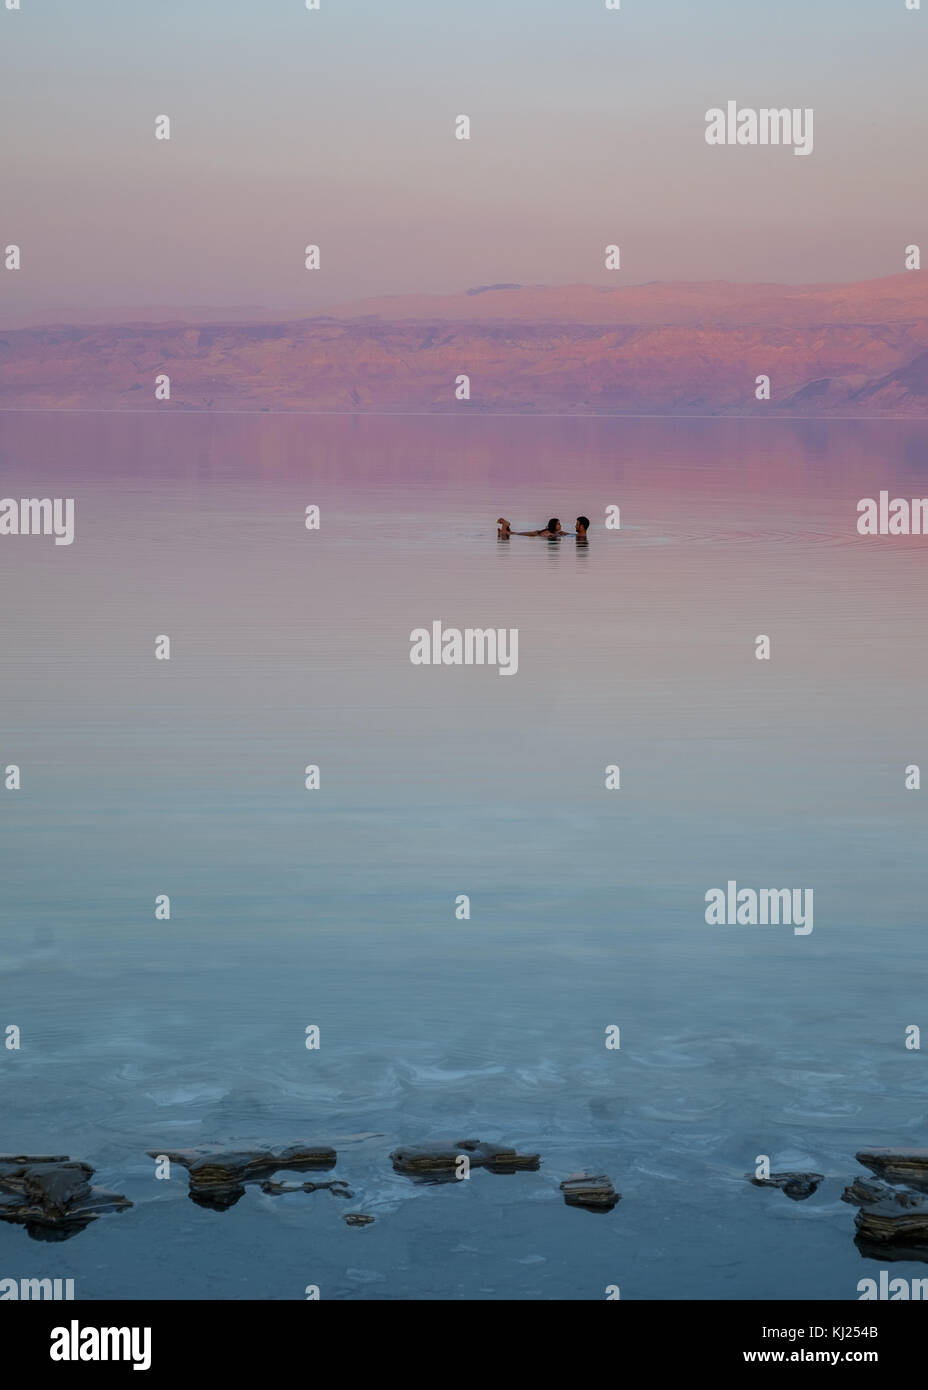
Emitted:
<point x="553" y="531"/>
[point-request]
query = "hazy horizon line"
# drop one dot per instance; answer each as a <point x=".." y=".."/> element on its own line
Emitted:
<point x="81" y="314"/>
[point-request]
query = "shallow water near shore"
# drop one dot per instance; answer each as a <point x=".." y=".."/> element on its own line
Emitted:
<point x="337" y="907"/>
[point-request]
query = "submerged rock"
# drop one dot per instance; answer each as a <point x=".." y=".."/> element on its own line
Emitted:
<point x="898" y="1220"/>
<point x="225" y="1168"/>
<point x="14" y="1161"/>
<point x="51" y="1195"/>
<point x="218" y="1177"/>
<point x="892" y="1223"/>
<point x="887" y="1252"/>
<point x="441" y="1161"/>
<point x="358" y="1218"/>
<point x="863" y="1191"/>
<point x="336" y="1187"/>
<point x="592" y="1193"/>
<point x="797" y="1186"/>
<point x="898" y="1165"/>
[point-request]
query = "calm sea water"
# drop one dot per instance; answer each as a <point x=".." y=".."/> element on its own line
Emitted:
<point x="337" y="907"/>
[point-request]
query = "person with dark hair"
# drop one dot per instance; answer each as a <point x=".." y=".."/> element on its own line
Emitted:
<point x="583" y="525"/>
<point x="553" y="530"/>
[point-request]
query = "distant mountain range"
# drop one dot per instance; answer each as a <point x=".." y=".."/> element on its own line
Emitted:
<point x="831" y="349"/>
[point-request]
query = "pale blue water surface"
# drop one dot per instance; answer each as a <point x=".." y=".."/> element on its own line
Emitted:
<point x="337" y="907"/>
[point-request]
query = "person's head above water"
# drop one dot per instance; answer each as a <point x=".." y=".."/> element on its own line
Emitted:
<point x="553" y="525"/>
<point x="583" y="525"/>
